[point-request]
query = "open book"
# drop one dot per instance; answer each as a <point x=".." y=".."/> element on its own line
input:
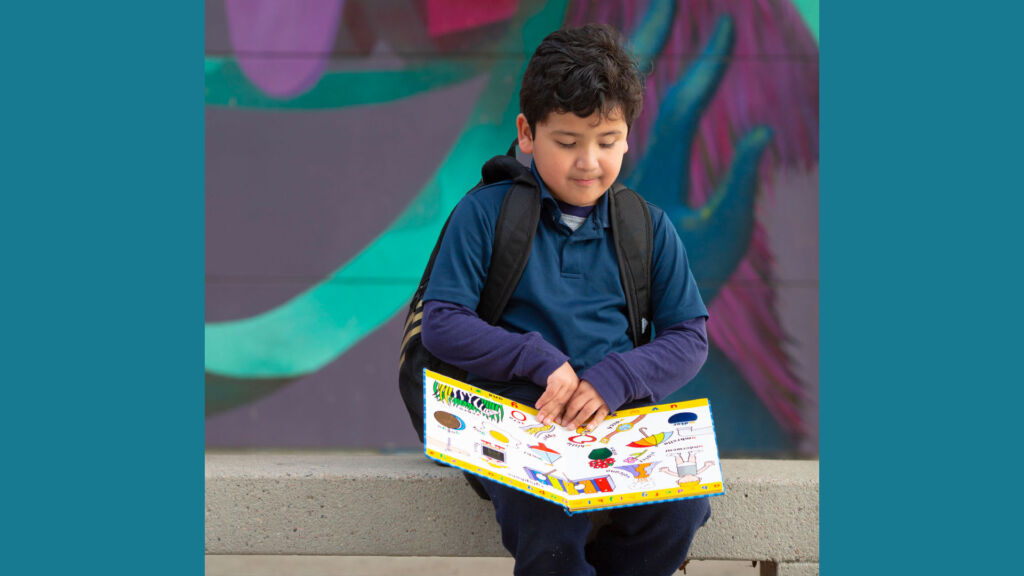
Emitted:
<point x="638" y="456"/>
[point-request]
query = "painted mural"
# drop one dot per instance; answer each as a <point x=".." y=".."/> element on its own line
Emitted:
<point x="340" y="134"/>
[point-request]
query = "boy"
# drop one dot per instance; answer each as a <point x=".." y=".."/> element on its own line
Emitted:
<point x="562" y="342"/>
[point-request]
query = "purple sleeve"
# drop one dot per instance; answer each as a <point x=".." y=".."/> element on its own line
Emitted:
<point x="654" y="370"/>
<point x="456" y="335"/>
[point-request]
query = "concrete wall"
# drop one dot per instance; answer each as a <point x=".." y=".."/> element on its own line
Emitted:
<point x="338" y="503"/>
<point x="339" y="134"/>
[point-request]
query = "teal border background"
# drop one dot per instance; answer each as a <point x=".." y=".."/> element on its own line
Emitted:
<point x="103" y="280"/>
<point x="921" y="203"/>
<point x="920" y="211"/>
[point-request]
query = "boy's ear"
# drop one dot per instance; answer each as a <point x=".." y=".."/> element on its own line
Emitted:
<point x="525" y="136"/>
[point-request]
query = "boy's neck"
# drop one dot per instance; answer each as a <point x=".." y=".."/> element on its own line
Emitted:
<point x="566" y="208"/>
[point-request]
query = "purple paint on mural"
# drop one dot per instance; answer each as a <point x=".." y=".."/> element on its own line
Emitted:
<point x="283" y="47"/>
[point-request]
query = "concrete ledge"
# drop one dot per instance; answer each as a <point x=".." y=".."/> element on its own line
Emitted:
<point x="794" y="569"/>
<point x="351" y="504"/>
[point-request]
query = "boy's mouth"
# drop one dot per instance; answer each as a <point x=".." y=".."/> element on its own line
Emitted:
<point x="585" y="181"/>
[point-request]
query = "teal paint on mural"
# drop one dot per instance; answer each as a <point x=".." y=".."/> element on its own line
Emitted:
<point x="650" y="35"/>
<point x="226" y="85"/>
<point x="312" y="329"/>
<point x="808" y="10"/>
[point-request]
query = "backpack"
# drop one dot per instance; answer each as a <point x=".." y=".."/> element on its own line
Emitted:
<point x="513" y="240"/>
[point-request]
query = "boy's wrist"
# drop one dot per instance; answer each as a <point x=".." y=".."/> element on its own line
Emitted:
<point x="611" y="380"/>
<point x="540" y="359"/>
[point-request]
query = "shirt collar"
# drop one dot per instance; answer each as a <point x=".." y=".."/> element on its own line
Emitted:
<point x="600" y="212"/>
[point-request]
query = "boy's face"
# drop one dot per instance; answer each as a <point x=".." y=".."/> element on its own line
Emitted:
<point x="578" y="158"/>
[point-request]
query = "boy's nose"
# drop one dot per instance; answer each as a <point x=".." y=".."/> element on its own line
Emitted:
<point x="586" y="160"/>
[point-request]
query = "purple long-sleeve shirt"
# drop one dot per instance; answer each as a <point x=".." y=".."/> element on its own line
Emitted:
<point x="645" y="374"/>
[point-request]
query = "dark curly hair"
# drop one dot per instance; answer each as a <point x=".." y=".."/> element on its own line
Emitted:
<point x="582" y="70"/>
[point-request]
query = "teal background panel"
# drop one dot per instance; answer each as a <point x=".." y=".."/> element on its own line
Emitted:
<point x="920" y="303"/>
<point x="103" y="254"/>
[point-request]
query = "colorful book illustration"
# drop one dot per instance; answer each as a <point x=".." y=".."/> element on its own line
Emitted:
<point x="638" y="456"/>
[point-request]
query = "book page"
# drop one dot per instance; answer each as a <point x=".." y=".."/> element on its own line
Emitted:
<point x="637" y="456"/>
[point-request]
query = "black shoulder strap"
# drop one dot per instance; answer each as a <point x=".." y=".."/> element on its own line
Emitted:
<point x="634" y="246"/>
<point x="495" y="169"/>
<point x="513" y="242"/>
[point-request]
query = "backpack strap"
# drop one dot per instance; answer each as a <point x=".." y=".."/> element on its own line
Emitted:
<point x="498" y="168"/>
<point x="513" y="242"/>
<point x="634" y="246"/>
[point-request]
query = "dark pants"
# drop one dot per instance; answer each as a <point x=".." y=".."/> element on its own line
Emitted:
<point x="648" y="540"/>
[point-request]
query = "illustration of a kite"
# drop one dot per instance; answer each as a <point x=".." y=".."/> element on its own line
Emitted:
<point x="544" y="453"/>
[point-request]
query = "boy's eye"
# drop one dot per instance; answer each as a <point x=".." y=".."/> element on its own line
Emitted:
<point x="565" y="144"/>
<point x="607" y="145"/>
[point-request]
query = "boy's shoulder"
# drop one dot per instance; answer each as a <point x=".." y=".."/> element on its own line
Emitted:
<point x="490" y="193"/>
<point x="481" y="206"/>
<point x="660" y="219"/>
<point x="655" y="210"/>
<point x="486" y="198"/>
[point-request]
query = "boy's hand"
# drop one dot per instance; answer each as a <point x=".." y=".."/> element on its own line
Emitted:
<point x="561" y="385"/>
<point x="585" y="406"/>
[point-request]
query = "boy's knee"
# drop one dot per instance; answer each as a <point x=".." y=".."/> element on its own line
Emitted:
<point x="680" y="518"/>
<point x="689" y="515"/>
<point x="540" y="535"/>
<point x="532" y="516"/>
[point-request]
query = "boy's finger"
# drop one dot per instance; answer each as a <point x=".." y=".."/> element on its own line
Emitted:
<point x="550" y="394"/>
<point x="588" y="425"/>
<point x="542" y="400"/>
<point x="596" y="420"/>
<point x="571" y="417"/>
<point x="557" y="407"/>
<point x="584" y="413"/>
<point x="543" y="416"/>
<point x="547" y="413"/>
<point x="539" y="405"/>
<point x="555" y="413"/>
<point x="555" y="392"/>
<point x="600" y="412"/>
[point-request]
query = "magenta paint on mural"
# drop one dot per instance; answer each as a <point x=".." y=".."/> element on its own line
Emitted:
<point x="283" y="47"/>
<point x="448" y="16"/>
<point x="774" y="91"/>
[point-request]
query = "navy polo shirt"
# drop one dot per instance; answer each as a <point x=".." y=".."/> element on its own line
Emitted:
<point x="570" y="292"/>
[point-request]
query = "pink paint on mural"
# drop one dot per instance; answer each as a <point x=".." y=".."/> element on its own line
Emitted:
<point x="283" y="47"/>
<point x="752" y="92"/>
<point x="759" y="87"/>
<point x="447" y="16"/>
